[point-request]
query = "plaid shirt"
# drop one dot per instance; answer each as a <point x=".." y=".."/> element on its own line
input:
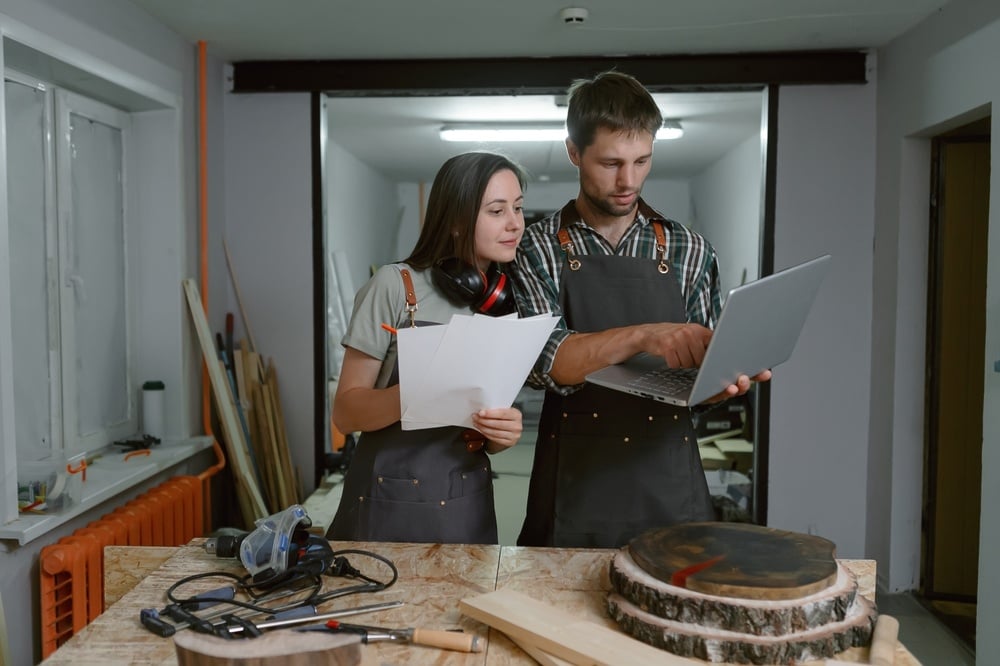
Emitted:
<point x="540" y="260"/>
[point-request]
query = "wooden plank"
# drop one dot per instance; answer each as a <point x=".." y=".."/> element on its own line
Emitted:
<point x="540" y="655"/>
<point x="232" y="430"/>
<point x="563" y="634"/>
<point x="288" y="471"/>
<point x="267" y="405"/>
<point x="241" y="384"/>
<point x="262" y="441"/>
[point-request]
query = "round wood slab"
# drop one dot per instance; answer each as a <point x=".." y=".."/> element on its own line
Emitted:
<point x="737" y="560"/>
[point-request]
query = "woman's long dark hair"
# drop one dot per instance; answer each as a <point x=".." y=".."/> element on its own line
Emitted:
<point x="453" y="206"/>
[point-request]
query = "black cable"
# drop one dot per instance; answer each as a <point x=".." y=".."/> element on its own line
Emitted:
<point x="339" y="566"/>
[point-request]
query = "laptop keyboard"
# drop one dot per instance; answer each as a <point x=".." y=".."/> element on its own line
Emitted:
<point x="667" y="380"/>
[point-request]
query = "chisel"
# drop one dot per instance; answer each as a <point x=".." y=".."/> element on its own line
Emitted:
<point x="448" y="640"/>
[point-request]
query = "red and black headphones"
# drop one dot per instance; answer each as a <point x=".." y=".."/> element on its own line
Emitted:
<point x="489" y="293"/>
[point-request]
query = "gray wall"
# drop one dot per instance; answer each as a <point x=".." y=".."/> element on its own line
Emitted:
<point x="725" y="203"/>
<point x="819" y="411"/>
<point x="937" y="76"/>
<point x="268" y="229"/>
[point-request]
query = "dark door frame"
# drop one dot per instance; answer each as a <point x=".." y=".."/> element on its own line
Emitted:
<point x="506" y="76"/>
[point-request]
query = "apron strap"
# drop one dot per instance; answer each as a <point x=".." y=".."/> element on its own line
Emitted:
<point x="661" y="246"/>
<point x="569" y="213"/>
<point x="411" y="296"/>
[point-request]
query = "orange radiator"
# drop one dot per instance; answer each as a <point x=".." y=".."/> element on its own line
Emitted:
<point x="72" y="569"/>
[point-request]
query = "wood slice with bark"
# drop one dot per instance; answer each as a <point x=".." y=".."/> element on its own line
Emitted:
<point x="737" y="560"/>
<point x="718" y="646"/>
<point x="751" y="616"/>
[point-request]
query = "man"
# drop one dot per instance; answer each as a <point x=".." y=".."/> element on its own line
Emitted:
<point x="625" y="280"/>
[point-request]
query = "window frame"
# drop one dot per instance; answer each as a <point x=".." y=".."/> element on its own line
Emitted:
<point x="67" y="105"/>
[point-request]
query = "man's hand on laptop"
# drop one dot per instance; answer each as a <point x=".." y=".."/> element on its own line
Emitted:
<point x="680" y="345"/>
<point x="741" y="386"/>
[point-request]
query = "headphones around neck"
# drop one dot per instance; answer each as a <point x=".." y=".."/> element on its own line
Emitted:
<point x="462" y="284"/>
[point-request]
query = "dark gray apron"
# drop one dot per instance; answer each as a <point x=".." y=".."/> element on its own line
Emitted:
<point x="609" y="465"/>
<point x="416" y="485"/>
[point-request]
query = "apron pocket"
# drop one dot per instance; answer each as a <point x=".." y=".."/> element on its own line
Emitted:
<point x="398" y="489"/>
<point x="470" y="480"/>
<point x="469" y="519"/>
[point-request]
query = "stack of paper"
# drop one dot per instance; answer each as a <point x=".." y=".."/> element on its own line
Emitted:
<point x="448" y="372"/>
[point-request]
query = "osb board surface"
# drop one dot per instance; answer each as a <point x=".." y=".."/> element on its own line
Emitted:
<point x="432" y="580"/>
<point x="125" y="566"/>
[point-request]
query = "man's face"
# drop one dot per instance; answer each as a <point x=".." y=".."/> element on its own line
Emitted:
<point x="613" y="169"/>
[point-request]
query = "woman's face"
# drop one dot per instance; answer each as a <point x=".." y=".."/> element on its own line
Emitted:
<point x="501" y="220"/>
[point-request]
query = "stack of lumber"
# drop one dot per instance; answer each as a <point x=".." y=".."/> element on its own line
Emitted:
<point x="738" y="593"/>
<point x="257" y="394"/>
<point x="246" y="398"/>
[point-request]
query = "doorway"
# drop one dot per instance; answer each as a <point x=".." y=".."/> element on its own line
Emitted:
<point x="956" y="342"/>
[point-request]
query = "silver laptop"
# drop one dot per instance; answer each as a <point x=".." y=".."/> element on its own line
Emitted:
<point x="757" y="330"/>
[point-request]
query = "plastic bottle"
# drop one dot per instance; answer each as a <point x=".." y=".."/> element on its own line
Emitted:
<point x="152" y="408"/>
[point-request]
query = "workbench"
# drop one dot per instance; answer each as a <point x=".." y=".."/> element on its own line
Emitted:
<point x="432" y="580"/>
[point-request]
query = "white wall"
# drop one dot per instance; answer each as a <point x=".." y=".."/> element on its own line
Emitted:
<point x="726" y="210"/>
<point x="268" y="227"/>
<point x="819" y="411"/>
<point x="363" y="214"/>
<point x="933" y="78"/>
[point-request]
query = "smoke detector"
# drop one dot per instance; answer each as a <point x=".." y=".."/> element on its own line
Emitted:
<point x="574" y="15"/>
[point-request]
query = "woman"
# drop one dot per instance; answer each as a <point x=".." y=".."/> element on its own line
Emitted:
<point x="432" y="485"/>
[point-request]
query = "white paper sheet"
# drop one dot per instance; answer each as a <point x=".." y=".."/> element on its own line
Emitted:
<point x="448" y="372"/>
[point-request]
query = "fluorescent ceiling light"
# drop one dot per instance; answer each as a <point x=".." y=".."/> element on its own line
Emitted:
<point x="670" y="130"/>
<point x="544" y="131"/>
<point x="491" y="132"/>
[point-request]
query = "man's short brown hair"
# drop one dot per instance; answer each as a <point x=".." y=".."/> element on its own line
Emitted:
<point x="614" y="100"/>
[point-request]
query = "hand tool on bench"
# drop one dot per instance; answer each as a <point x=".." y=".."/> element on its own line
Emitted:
<point x="282" y="621"/>
<point x="448" y="640"/>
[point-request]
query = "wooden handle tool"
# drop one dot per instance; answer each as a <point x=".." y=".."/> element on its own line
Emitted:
<point x="883" y="650"/>
<point x="448" y="640"/>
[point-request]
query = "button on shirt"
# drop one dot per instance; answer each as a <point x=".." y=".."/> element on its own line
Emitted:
<point x="540" y="262"/>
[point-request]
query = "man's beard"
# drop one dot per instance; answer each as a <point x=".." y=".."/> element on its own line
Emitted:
<point x="608" y="208"/>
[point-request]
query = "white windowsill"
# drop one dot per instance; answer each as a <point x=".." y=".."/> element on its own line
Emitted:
<point x="109" y="475"/>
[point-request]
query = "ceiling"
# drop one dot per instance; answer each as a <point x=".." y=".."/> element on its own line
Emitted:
<point x="398" y="136"/>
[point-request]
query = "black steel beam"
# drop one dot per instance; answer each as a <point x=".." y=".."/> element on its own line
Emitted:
<point x="545" y="75"/>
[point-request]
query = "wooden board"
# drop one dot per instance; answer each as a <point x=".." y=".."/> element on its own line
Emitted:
<point x="251" y="502"/>
<point x="563" y="634"/>
<point x="737" y="560"/>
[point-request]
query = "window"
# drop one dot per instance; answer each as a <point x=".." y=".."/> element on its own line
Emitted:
<point x="92" y="253"/>
<point x="70" y="270"/>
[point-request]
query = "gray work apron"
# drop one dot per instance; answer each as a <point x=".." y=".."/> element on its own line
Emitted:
<point x="426" y="486"/>
<point x="609" y="465"/>
<point x="417" y="486"/>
